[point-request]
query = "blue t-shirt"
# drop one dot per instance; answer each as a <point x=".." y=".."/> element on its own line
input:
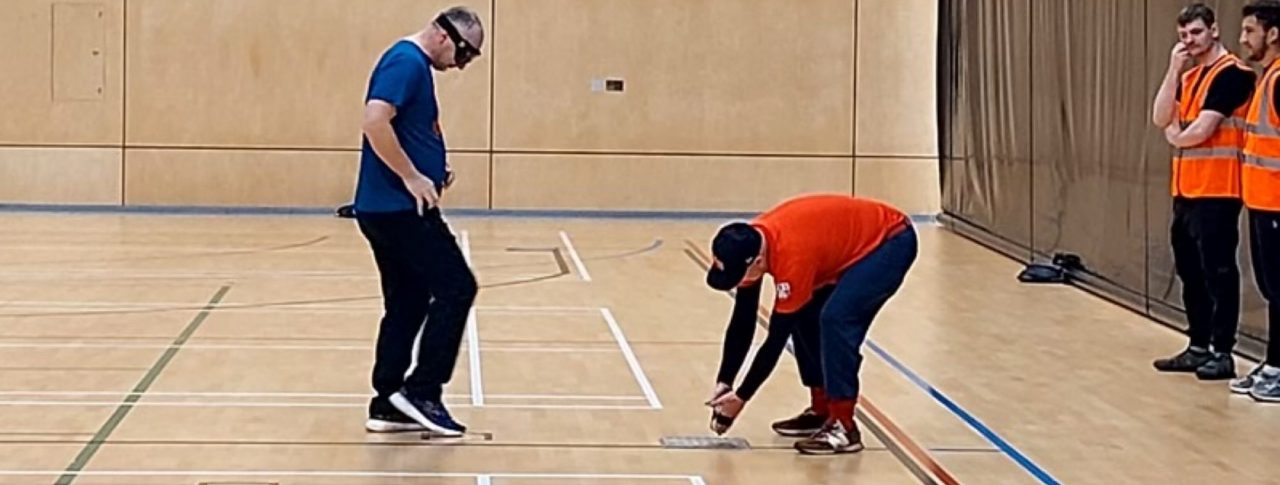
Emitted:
<point x="403" y="78"/>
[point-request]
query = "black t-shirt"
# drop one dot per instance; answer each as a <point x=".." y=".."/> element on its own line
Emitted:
<point x="1230" y="90"/>
<point x="1275" y="99"/>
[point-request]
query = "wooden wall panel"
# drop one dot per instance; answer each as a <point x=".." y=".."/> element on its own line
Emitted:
<point x="60" y="176"/>
<point x="257" y="102"/>
<point x="896" y="73"/>
<point x="269" y="178"/>
<point x="675" y="183"/>
<point x="910" y="184"/>
<point x="279" y="73"/>
<point x="471" y="187"/>
<point x="79" y="40"/>
<point x="722" y="76"/>
<point x="238" y="177"/>
<point x="60" y="71"/>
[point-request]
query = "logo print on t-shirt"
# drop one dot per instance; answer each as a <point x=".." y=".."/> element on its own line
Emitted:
<point x="784" y="290"/>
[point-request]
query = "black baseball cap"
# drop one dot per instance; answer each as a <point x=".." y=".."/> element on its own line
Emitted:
<point x="736" y="246"/>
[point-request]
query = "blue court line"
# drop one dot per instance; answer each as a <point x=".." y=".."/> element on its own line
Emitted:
<point x="973" y="422"/>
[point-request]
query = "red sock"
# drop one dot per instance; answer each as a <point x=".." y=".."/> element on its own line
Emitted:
<point x="842" y="410"/>
<point x="818" y="401"/>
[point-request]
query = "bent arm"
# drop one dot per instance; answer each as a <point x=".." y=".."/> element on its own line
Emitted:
<point x="1196" y="133"/>
<point x="780" y="329"/>
<point x="382" y="137"/>
<point x="739" y="334"/>
<point x="1164" y="109"/>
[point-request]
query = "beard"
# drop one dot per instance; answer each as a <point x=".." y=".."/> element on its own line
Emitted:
<point x="1255" y="55"/>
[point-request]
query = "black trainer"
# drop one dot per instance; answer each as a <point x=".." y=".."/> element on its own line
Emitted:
<point x="803" y="425"/>
<point x="430" y="413"/>
<point x="385" y="418"/>
<point x="1186" y="361"/>
<point x="1219" y="367"/>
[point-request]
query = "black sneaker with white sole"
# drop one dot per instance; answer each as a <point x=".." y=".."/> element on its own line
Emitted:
<point x="385" y="418"/>
<point x="832" y="439"/>
<point x="430" y="413"/>
<point x="1267" y="388"/>
<point x="1244" y="384"/>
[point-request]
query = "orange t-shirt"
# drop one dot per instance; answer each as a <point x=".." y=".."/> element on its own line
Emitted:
<point x="811" y="239"/>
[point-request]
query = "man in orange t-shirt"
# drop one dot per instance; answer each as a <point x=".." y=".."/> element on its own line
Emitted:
<point x="835" y="260"/>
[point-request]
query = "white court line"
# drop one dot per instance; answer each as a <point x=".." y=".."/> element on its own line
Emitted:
<point x="352" y="348"/>
<point x="473" y="354"/>
<point x="484" y="480"/>
<point x="697" y="481"/>
<point x="300" y="395"/>
<point x="573" y="254"/>
<point x="357" y="405"/>
<point x="473" y="335"/>
<point x="349" y="473"/>
<point x="627" y="353"/>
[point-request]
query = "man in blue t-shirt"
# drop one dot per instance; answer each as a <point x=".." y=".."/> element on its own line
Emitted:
<point x="426" y="283"/>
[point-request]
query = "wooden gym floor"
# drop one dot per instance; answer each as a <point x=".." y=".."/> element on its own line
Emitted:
<point x="185" y="349"/>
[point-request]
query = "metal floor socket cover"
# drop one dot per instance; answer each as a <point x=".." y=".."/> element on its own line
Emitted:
<point x="481" y="436"/>
<point x="705" y="443"/>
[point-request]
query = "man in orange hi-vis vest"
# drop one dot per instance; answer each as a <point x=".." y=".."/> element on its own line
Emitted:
<point x="1202" y="113"/>
<point x="1260" y="184"/>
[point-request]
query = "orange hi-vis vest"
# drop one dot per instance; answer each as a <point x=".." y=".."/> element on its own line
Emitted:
<point x="1260" y="175"/>
<point x="1212" y="168"/>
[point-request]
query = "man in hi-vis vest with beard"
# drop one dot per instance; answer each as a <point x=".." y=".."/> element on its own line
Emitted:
<point x="1260" y="186"/>
<point x="1201" y="109"/>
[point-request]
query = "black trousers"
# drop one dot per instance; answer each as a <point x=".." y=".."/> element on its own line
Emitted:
<point x="427" y="287"/>
<point x="806" y="336"/>
<point x="1205" y="235"/>
<point x="1264" y="247"/>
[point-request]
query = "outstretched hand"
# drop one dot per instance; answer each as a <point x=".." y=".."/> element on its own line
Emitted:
<point x="720" y="390"/>
<point x="724" y="410"/>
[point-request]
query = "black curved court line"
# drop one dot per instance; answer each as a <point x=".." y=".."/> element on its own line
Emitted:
<point x="562" y="271"/>
<point x="197" y="254"/>
<point x="657" y="243"/>
<point x="560" y="262"/>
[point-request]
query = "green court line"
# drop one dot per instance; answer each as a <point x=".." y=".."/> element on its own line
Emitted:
<point x="99" y="438"/>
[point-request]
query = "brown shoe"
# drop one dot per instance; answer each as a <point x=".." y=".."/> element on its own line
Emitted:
<point x="832" y="439"/>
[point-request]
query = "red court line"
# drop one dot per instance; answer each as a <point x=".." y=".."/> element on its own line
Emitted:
<point x="920" y="458"/>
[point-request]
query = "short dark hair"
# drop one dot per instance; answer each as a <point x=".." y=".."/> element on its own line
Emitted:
<point x="1266" y="11"/>
<point x="1196" y="11"/>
